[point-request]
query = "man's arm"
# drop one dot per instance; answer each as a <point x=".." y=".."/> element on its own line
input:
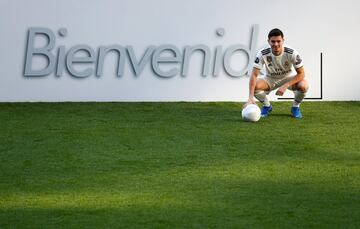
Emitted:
<point x="252" y="84"/>
<point x="298" y="77"/>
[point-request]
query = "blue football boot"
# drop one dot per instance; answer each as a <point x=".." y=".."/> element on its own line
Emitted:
<point x="265" y="111"/>
<point x="296" y="113"/>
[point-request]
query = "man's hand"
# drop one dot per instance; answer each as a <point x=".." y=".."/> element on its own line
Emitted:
<point x="250" y="101"/>
<point x="297" y="78"/>
<point x="281" y="90"/>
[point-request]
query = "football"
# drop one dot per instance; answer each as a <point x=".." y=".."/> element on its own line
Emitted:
<point x="251" y="113"/>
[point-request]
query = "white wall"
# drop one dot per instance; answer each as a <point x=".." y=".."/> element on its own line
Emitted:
<point x="310" y="26"/>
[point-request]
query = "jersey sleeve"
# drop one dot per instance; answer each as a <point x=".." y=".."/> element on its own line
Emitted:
<point x="259" y="61"/>
<point x="296" y="60"/>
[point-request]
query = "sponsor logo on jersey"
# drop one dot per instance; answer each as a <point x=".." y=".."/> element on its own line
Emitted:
<point x="298" y="59"/>
<point x="280" y="73"/>
<point x="257" y="60"/>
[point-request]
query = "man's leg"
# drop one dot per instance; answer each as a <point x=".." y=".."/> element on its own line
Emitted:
<point x="300" y="90"/>
<point x="261" y="91"/>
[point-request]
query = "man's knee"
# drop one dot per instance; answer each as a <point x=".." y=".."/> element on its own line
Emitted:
<point x="261" y="85"/>
<point x="302" y="86"/>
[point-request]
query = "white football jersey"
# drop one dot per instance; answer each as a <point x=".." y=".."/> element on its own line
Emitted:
<point x="278" y="66"/>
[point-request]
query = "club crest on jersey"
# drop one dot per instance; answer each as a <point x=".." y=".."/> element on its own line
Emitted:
<point x="298" y="60"/>
<point x="286" y="64"/>
<point x="269" y="59"/>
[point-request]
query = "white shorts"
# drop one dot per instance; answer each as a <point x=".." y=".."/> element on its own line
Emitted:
<point x="276" y="83"/>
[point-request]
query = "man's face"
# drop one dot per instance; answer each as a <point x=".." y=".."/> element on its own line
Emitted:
<point x="276" y="44"/>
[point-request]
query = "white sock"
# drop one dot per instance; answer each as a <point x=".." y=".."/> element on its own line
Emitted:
<point x="299" y="96"/>
<point x="261" y="96"/>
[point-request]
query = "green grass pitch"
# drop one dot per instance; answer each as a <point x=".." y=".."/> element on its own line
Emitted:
<point x="178" y="165"/>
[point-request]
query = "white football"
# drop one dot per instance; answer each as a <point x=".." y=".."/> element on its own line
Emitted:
<point x="251" y="113"/>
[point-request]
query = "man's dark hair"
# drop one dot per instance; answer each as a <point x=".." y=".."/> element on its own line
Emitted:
<point x="275" y="32"/>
